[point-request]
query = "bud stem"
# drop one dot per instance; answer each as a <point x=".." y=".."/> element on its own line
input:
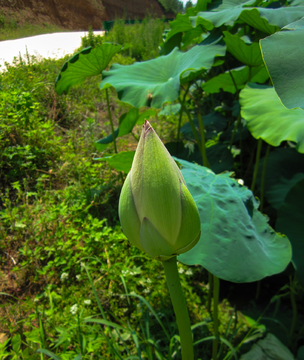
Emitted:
<point x="180" y="308"/>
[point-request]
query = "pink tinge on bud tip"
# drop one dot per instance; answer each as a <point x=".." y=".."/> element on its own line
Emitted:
<point x="147" y="127"/>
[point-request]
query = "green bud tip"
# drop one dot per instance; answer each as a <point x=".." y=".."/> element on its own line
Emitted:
<point x="156" y="210"/>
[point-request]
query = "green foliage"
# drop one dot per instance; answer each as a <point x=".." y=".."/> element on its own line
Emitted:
<point x="10" y="28"/>
<point x="90" y="61"/>
<point x="288" y="78"/>
<point x="142" y="84"/>
<point x="62" y="245"/>
<point x="233" y="230"/>
<point x="143" y="38"/>
<point x="269" y="119"/>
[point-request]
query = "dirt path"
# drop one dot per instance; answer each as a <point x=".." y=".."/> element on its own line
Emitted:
<point x="52" y="46"/>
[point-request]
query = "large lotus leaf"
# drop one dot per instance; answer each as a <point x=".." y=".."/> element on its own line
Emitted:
<point x="267" y="118"/>
<point x="154" y="82"/>
<point x="287" y="75"/>
<point x="253" y="18"/>
<point x="231" y="10"/>
<point x="236" y="244"/>
<point x="247" y="54"/>
<point x="285" y="167"/>
<point x="282" y="16"/>
<point x="88" y="62"/>
<point x="290" y="222"/>
<point x="226" y="13"/>
<point x="235" y="79"/>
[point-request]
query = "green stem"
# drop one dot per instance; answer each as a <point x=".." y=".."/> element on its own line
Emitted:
<point x="180" y="308"/>
<point x="294" y="310"/>
<point x="203" y="144"/>
<point x="113" y="132"/>
<point x="256" y="167"/>
<point x="111" y="121"/>
<point x="263" y="179"/>
<point x="181" y="113"/>
<point x="234" y="131"/>
<point x="192" y="127"/>
<point x="216" y="291"/>
<point x="234" y="83"/>
<point x="209" y="299"/>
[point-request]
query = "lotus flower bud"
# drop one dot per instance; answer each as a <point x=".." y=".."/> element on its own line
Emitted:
<point x="156" y="210"/>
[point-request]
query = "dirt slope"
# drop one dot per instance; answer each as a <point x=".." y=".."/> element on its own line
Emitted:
<point x="78" y="14"/>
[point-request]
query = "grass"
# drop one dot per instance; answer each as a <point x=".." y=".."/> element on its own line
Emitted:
<point x="140" y="39"/>
<point x="10" y="28"/>
<point x="71" y="284"/>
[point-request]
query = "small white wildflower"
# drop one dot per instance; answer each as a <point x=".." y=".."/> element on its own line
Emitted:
<point x="78" y="277"/>
<point x="87" y="302"/>
<point x="146" y="291"/>
<point x="74" y="309"/>
<point x="241" y="181"/>
<point x="125" y="272"/>
<point x="189" y="272"/>
<point x="181" y="270"/>
<point x="64" y="276"/>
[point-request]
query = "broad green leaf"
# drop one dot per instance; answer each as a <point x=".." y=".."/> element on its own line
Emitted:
<point x="290" y="222"/>
<point x="268" y="119"/>
<point x="267" y="20"/>
<point x="287" y="75"/>
<point x="236" y="244"/>
<point x="285" y="167"/>
<point x="154" y="82"/>
<point x="86" y="63"/>
<point x="247" y="54"/>
<point x="226" y="13"/>
<point x="121" y="161"/>
<point x="253" y="18"/>
<point x="279" y="17"/>
<point x="126" y="123"/>
<point x="235" y="79"/>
